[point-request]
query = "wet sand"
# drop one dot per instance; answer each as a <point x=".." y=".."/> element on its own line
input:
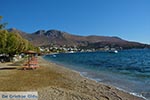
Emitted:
<point x="54" y="82"/>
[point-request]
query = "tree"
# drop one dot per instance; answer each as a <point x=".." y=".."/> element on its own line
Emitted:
<point x="3" y="41"/>
<point x="2" y="25"/>
<point x="12" y="43"/>
<point x="16" y="44"/>
<point x="23" y="45"/>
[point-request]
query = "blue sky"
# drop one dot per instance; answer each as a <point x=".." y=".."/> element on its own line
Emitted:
<point x="128" y="19"/>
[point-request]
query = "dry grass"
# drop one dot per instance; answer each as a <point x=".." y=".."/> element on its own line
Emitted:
<point x="19" y="80"/>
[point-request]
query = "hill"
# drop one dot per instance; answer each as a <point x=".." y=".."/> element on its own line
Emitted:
<point x="59" y="38"/>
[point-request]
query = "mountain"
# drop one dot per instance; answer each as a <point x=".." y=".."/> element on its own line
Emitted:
<point x="59" y="38"/>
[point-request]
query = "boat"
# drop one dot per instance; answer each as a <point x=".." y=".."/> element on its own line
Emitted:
<point x="54" y="55"/>
<point x="113" y="51"/>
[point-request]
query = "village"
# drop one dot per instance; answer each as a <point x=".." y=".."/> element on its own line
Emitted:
<point x="73" y="49"/>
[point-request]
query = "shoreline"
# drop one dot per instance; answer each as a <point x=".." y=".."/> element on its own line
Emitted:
<point x="84" y="76"/>
<point x="101" y="83"/>
<point x="54" y="82"/>
<point x="132" y="93"/>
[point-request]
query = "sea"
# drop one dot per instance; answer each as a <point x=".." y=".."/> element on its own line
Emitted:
<point x="127" y="70"/>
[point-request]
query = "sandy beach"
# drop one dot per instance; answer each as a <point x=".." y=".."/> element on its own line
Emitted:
<point x="54" y="82"/>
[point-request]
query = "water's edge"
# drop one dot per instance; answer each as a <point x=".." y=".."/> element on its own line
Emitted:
<point x="96" y="80"/>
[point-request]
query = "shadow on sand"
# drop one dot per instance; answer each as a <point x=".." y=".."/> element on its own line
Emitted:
<point x="8" y="68"/>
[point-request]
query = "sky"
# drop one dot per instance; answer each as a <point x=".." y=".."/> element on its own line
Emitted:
<point x="128" y="19"/>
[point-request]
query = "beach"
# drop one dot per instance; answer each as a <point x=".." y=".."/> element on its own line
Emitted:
<point x="55" y="82"/>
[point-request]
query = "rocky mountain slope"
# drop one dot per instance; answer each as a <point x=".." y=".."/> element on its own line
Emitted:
<point x="59" y="38"/>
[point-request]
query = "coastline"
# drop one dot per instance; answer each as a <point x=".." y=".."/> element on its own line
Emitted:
<point x="99" y="81"/>
<point x="54" y="82"/>
<point x="124" y="95"/>
<point x="134" y="94"/>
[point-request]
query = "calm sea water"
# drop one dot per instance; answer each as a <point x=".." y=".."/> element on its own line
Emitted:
<point x="128" y="70"/>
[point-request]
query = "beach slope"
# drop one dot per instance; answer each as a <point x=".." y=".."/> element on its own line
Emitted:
<point x="54" y="82"/>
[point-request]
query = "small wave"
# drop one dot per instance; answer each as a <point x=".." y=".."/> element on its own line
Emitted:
<point x="85" y="74"/>
<point x="132" y="93"/>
